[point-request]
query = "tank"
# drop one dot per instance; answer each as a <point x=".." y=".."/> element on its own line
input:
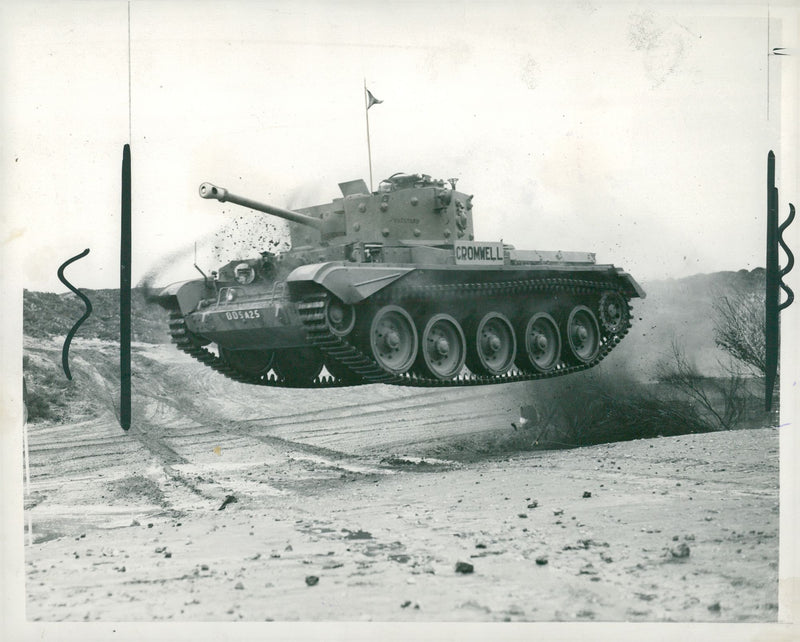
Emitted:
<point x="392" y="287"/>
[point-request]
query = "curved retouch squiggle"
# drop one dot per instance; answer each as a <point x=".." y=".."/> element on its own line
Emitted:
<point x="86" y="302"/>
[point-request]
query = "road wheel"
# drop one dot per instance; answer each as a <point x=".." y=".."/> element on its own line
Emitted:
<point x="492" y="345"/>
<point x="540" y="344"/>
<point x="393" y="339"/>
<point x="442" y="348"/>
<point x="248" y="362"/>
<point x="583" y="334"/>
<point x="299" y="366"/>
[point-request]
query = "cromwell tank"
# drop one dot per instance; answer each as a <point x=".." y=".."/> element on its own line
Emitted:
<point x="391" y="287"/>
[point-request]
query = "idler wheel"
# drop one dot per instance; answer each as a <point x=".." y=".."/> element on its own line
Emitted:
<point x="248" y="362"/>
<point x="340" y="317"/>
<point x="583" y="334"/>
<point x="613" y="312"/>
<point x="393" y="339"/>
<point x="540" y="344"/>
<point x="298" y="366"/>
<point x="442" y="348"/>
<point x="492" y="346"/>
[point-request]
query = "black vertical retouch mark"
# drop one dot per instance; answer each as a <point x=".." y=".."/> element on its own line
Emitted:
<point x="125" y="294"/>
<point x="86" y="302"/>
<point x="775" y="275"/>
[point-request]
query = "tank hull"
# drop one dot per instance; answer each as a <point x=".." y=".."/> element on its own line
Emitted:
<point x="439" y="314"/>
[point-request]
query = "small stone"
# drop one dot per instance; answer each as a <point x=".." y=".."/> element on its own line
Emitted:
<point x="167" y="554"/>
<point x="586" y="494"/>
<point x="239" y="586"/>
<point x="674" y="538"/>
<point x="230" y="499"/>
<point x="135" y="523"/>
<point x="204" y="567"/>
<point x="288" y="548"/>
<point x="480" y="545"/>
<point x="680" y="551"/>
<point x="405" y="604"/>
<point x="523" y="515"/>
<point x="312" y="580"/>
<point x="464" y="567"/>
<point x="533" y="504"/>
<point x="161" y="549"/>
<point x="558" y="511"/>
<point x="149" y="526"/>
<point x="541" y="560"/>
<point x="715" y="607"/>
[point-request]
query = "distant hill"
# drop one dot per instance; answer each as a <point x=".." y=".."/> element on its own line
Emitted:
<point x="681" y="309"/>
<point x="674" y="308"/>
<point x="46" y="314"/>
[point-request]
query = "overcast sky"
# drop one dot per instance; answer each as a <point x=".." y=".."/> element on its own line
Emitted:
<point x="637" y="131"/>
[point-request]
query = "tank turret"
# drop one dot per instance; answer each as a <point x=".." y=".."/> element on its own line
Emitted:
<point x="407" y="208"/>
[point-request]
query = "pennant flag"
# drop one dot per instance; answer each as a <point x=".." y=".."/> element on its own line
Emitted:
<point x="371" y="100"/>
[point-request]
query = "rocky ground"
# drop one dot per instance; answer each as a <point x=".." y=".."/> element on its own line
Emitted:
<point x="230" y="503"/>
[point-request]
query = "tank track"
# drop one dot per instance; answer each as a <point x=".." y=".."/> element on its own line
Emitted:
<point x="187" y="343"/>
<point x="362" y="369"/>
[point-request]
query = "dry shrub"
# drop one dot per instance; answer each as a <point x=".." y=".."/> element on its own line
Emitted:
<point x="599" y="407"/>
<point x="740" y="326"/>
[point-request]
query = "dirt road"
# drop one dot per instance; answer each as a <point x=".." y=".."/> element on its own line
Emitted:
<point x="335" y="509"/>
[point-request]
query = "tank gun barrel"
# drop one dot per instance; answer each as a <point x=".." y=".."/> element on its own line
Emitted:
<point x="209" y="190"/>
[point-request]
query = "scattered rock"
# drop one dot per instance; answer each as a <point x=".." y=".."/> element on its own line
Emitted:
<point x="150" y="525"/>
<point x="586" y="494"/>
<point x="533" y="504"/>
<point x="230" y="499"/>
<point x="715" y="607"/>
<point x="523" y="515"/>
<point x="167" y="554"/>
<point x="288" y="548"/>
<point x="401" y="558"/>
<point x="587" y="569"/>
<point x="135" y="523"/>
<point x="541" y="560"/>
<point x="359" y="534"/>
<point x="312" y="580"/>
<point x="680" y="551"/>
<point x="464" y="567"/>
<point x="674" y="538"/>
<point x="480" y="545"/>
<point x="558" y="511"/>
<point x="204" y="567"/>
<point x="405" y="604"/>
<point x="239" y="586"/>
<point x="161" y="549"/>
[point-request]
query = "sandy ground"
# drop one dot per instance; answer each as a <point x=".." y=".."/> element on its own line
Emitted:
<point x="335" y="509"/>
